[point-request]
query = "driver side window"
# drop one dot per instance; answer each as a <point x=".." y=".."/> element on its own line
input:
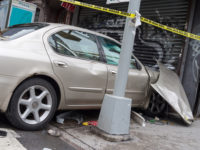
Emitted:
<point x="76" y="44"/>
<point x="112" y="52"/>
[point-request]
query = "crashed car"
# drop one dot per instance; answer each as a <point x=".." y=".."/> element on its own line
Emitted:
<point x="46" y="67"/>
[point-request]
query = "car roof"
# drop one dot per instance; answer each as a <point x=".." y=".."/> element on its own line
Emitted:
<point x="53" y="25"/>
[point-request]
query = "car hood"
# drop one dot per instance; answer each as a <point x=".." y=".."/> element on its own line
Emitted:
<point x="153" y="75"/>
<point x="170" y="88"/>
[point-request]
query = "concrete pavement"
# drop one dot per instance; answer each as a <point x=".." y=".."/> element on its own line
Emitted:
<point x="26" y="140"/>
<point x="174" y="135"/>
<point x="10" y="141"/>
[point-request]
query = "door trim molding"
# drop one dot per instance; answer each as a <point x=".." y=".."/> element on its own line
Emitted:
<point x="83" y="89"/>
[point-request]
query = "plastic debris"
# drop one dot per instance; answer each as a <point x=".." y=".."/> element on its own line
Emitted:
<point x="157" y="122"/>
<point x="85" y="123"/>
<point x="92" y="123"/>
<point x="46" y="148"/>
<point x="3" y="133"/>
<point x="138" y="118"/>
<point x="157" y="119"/>
<point x="54" y="132"/>
<point x="71" y="115"/>
<point x="152" y="121"/>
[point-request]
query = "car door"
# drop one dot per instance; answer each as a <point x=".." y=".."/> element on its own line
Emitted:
<point x="137" y="84"/>
<point x="77" y="62"/>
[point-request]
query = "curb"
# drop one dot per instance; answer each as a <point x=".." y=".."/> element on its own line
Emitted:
<point x="72" y="140"/>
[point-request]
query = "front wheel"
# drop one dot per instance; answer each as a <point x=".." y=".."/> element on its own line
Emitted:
<point x="156" y="105"/>
<point x="32" y="105"/>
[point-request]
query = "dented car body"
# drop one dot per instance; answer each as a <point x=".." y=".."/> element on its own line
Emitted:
<point x="47" y="67"/>
<point x="171" y="89"/>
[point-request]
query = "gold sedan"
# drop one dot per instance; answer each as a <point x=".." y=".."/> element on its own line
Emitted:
<point x="47" y="67"/>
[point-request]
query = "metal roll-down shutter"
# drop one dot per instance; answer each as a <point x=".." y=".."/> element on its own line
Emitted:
<point x="151" y="42"/>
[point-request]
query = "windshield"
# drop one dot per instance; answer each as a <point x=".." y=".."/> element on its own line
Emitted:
<point x="20" y="30"/>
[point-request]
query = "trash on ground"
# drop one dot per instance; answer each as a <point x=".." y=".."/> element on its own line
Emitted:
<point x="54" y="132"/>
<point x="3" y="133"/>
<point x="71" y="115"/>
<point x="153" y="121"/>
<point x="91" y="123"/>
<point x="46" y="148"/>
<point x="138" y="118"/>
<point x="157" y="119"/>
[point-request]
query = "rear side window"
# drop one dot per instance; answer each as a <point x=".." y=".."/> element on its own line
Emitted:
<point x="21" y="30"/>
<point x="75" y="43"/>
<point x="112" y="52"/>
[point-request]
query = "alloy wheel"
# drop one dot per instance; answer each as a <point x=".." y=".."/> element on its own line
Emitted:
<point x="34" y="104"/>
<point x="157" y="104"/>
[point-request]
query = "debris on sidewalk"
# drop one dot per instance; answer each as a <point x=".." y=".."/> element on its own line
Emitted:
<point x="92" y="123"/>
<point x="54" y="132"/>
<point x="3" y="133"/>
<point x="155" y="120"/>
<point x="71" y="115"/>
<point x="138" y="118"/>
<point x="46" y="149"/>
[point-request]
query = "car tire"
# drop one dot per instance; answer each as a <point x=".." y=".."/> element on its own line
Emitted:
<point x="156" y="105"/>
<point x="33" y="105"/>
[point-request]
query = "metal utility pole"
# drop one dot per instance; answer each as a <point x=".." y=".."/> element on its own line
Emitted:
<point x="115" y="112"/>
<point x="126" y="52"/>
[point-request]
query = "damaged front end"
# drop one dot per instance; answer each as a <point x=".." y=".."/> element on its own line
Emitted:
<point x="171" y="90"/>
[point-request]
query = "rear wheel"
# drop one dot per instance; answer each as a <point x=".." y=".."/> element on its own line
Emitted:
<point x="156" y="105"/>
<point x="32" y="105"/>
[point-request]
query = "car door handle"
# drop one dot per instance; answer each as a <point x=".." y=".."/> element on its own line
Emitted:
<point x="113" y="72"/>
<point x="60" y="64"/>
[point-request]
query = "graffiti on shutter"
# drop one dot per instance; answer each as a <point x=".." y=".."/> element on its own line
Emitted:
<point x="151" y="42"/>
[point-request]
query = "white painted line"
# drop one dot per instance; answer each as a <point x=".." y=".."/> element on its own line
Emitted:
<point x="10" y="142"/>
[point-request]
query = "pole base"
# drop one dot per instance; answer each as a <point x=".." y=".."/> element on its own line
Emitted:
<point x="109" y="137"/>
<point x="115" y="113"/>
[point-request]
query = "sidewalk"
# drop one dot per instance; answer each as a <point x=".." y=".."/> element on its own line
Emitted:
<point x="10" y="142"/>
<point x="174" y="135"/>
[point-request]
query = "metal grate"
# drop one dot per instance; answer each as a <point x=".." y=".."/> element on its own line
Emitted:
<point x="151" y="42"/>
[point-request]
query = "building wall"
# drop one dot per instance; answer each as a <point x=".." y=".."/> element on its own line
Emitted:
<point x="50" y="11"/>
<point x="197" y="103"/>
<point x="41" y="6"/>
<point x="192" y="63"/>
<point x="4" y="7"/>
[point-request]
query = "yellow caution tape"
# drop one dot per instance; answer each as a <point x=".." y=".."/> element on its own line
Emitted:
<point x="125" y="14"/>
<point x="108" y="10"/>
<point x="174" y="30"/>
